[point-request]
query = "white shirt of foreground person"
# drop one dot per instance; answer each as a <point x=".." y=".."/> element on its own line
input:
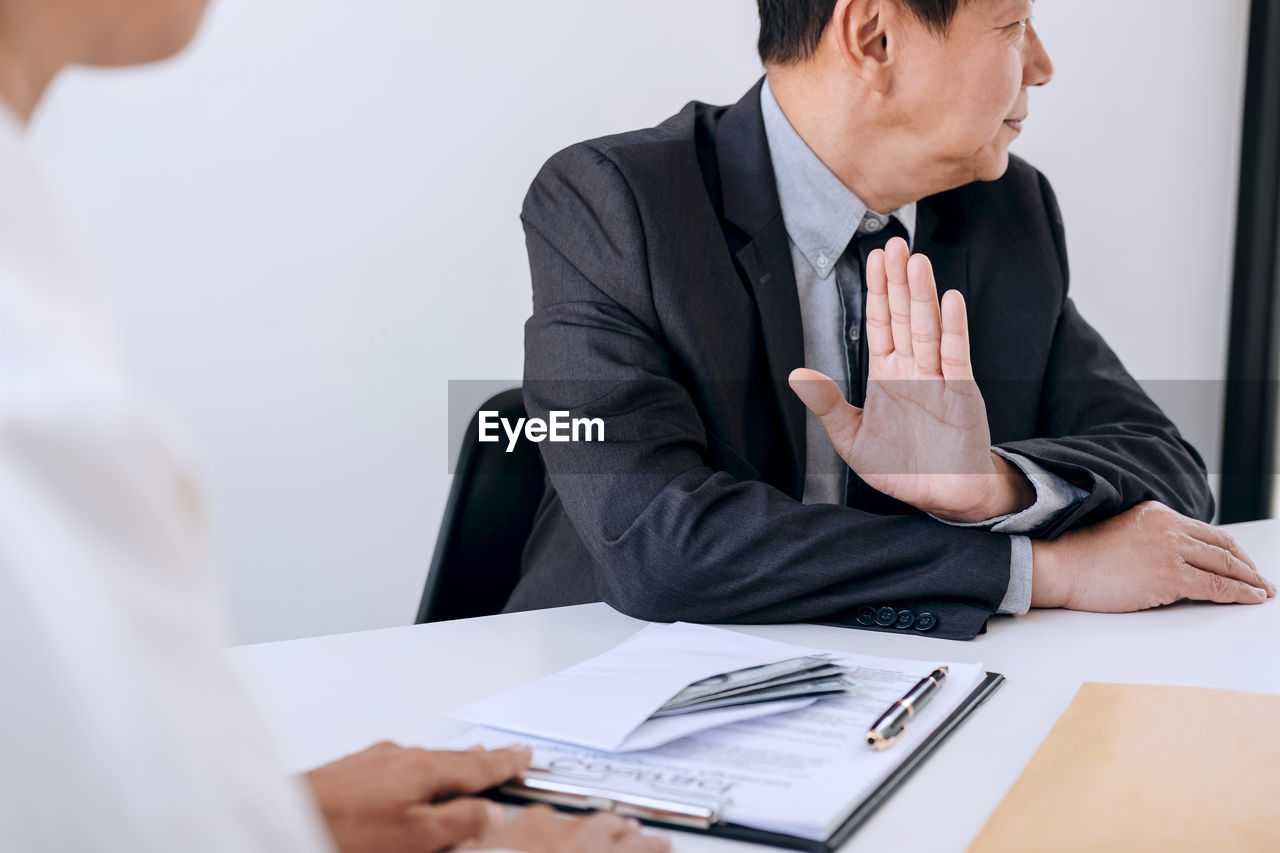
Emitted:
<point x="121" y="726"/>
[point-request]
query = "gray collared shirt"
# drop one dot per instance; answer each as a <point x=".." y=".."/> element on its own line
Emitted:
<point x="822" y="216"/>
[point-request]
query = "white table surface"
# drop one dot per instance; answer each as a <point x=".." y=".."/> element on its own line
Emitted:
<point x="330" y="696"/>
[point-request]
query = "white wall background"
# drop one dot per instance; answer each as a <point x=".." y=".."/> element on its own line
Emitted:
<point x="311" y="220"/>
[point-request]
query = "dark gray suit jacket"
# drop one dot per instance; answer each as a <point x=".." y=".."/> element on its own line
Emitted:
<point x="664" y="302"/>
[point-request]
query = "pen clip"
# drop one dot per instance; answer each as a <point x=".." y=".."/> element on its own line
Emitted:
<point x="578" y="796"/>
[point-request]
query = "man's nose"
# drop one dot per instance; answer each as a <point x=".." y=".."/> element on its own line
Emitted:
<point x="1038" y="69"/>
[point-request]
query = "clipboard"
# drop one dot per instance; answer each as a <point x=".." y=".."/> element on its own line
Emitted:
<point x="704" y="816"/>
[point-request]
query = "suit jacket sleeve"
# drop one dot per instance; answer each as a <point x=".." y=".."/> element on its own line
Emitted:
<point x="1100" y="430"/>
<point x="671" y="538"/>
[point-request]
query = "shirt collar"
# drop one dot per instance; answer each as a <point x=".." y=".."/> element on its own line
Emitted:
<point x="821" y="214"/>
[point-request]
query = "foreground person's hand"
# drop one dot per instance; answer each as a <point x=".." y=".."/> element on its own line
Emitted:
<point x="389" y="799"/>
<point x="1145" y="557"/>
<point x="537" y="829"/>
<point x="922" y="435"/>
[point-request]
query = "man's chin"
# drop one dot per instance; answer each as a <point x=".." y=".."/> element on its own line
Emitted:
<point x="992" y="168"/>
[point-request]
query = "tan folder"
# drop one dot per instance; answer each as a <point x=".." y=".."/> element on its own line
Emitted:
<point x="1133" y="768"/>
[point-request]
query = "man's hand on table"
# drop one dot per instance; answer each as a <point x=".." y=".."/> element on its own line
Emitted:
<point x="389" y="799"/>
<point x="1145" y="557"/>
<point x="922" y="434"/>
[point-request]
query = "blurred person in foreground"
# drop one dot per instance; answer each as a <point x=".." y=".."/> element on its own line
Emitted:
<point x="122" y="728"/>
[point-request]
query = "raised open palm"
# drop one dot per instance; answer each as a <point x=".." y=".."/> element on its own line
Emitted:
<point x="922" y="435"/>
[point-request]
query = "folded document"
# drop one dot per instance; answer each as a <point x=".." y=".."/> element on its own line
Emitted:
<point x="610" y="702"/>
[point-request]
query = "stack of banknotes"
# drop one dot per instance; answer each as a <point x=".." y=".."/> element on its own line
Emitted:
<point x="774" y="682"/>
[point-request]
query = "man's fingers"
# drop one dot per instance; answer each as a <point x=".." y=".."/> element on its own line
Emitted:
<point x="1221" y="538"/>
<point x="817" y="391"/>
<point x="443" y="826"/>
<point x="879" y="330"/>
<point x="448" y="774"/>
<point x="926" y="320"/>
<point x="1220" y="561"/>
<point x="896" y="254"/>
<point x="1209" y="586"/>
<point x="822" y="396"/>
<point x="956" y="365"/>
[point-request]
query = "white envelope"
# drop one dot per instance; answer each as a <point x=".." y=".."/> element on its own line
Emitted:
<point x="605" y="703"/>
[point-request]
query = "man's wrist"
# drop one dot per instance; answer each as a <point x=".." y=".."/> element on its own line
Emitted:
<point x="1050" y="583"/>
<point x="1014" y="491"/>
<point x="1009" y="492"/>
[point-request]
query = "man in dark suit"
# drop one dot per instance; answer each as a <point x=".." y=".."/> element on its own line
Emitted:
<point x="983" y="455"/>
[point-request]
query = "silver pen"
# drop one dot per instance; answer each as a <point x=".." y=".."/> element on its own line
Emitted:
<point x="893" y="722"/>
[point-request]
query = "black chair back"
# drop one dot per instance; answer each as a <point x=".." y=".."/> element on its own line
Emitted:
<point x="487" y="519"/>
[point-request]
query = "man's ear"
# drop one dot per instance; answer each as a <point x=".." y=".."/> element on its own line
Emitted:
<point x="861" y="34"/>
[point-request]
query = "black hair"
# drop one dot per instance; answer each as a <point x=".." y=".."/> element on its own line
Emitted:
<point x="790" y="30"/>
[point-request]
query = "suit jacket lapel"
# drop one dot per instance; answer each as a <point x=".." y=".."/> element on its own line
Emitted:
<point x="750" y="200"/>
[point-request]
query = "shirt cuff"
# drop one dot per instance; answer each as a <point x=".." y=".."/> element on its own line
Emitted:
<point x="1017" y="600"/>
<point x="1053" y="496"/>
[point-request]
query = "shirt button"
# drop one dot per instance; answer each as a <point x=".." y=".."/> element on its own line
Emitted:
<point x="854" y="333"/>
<point x="823" y="261"/>
<point x="871" y="225"/>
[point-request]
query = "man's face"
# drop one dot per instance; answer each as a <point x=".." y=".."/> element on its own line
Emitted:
<point x="963" y="93"/>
